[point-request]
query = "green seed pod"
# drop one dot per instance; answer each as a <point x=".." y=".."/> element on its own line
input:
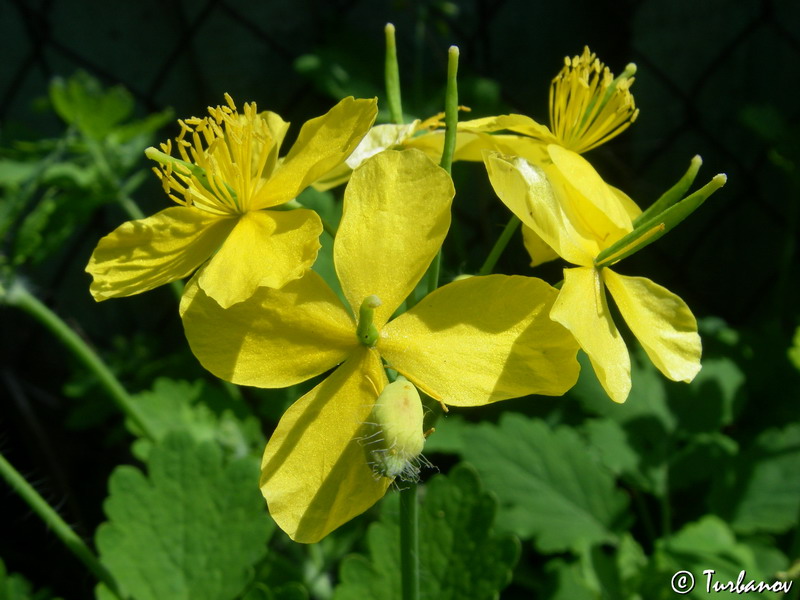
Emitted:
<point x="395" y="439"/>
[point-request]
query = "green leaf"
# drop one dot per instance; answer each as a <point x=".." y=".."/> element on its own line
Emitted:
<point x="460" y="557"/>
<point x="16" y="587"/>
<point x="549" y="487"/>
<point x="708" y="544"/>
<point x="760" y="490"/>
<point x="794" y="351"/>
<point x="191" y="529"/>
<point x="183" y="406"/>
<point x="82" y="101"/>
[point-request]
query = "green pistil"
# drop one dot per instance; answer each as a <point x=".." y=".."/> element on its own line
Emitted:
<point x="367" y="332"/>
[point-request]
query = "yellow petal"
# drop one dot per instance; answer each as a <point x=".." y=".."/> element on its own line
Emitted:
<point x="661" y="322"/>
<point x="322" y="144"/>
<point x="582" y="308"/>
<point x="513" y="122"/>
<point x="266" y="248"/>
<point x="141" y="255"/>
<point x="314" y="474"/>
<point x="537" y="249"/>
<point x="379" y="138"/>
<point x="275" y="338"/>
<point x="525" y="190"/>
<point x="588" y="201"/>
<point x="396" y="215"/>
<point x="630" y="207"/>
<point x="483" y="339"/>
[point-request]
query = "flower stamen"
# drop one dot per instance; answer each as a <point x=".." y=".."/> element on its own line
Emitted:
<point x="588" y="106"/>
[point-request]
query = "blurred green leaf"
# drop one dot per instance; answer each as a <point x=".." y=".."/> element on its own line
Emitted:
<point x="548" y="486"/>
<point x="183" y="406"/>
<point x="16" y="587"/>
<point x="794" y="351"/>
<point x="706" y="544"/>
<point x="191" y="529"/>
<point x="460" y="557"/>
<point x="760" y="489"/>
<point x="81" y="101"/>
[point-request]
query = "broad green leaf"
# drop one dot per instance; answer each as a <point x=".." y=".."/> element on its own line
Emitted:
<point x="82" y="101"/>
<point x="191" y="529"/>
<point x="760" y="490"/>
<point x="707" y="544"/>
<point x="549" y="487"/>
<point x="195" y="407"/>
<point x="16" y="587"/>
<point x="460" y="557"/>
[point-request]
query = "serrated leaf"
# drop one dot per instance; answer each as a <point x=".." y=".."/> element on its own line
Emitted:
<point x="707" y="544"/>
<point x="82" y="101"/>
<point x="760" y="491"/>
<point x="175" y="405"/>
<point x="191" y="529"/>
<point x="549" y="487"/>
<point x="460" y="557"/>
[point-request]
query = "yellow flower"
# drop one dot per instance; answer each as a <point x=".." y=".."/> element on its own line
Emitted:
<point x="588" y="107"/>
<point x="427" y="136"/>
<point x="468" y="343"/>
<point x="567" y="204"/>
<point x="228" y="177"/>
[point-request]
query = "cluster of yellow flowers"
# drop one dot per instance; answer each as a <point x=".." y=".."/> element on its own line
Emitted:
<point x="255" y="314"/>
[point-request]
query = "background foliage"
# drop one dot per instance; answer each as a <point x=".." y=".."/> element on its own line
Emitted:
<point x="565" y="497"/>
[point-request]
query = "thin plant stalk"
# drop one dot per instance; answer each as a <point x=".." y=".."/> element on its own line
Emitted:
<point x="409" y="541"/>
<point x="392" y="75"/>
<point x="500" y="245"/>
<point x="54" y="521"/>
<point x="20" y="297"/>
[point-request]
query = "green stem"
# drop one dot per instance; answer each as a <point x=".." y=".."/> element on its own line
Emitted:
<point x="500" y="245"/>
<point x="70" y="539"/>
<point x="450" y="109"/>
<point x="20" y="297"/>
<point x="409" y="541"/>
<point x="392" y="75"/>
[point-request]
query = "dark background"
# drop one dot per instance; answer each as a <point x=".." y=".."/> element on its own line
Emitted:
<point x="719" y="78"/>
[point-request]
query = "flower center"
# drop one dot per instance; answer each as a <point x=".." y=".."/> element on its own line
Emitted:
<point x="588" y="106"/>
<point x="224" y="159"/>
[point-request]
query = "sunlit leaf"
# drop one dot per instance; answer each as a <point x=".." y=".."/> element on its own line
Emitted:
<point x="191" y="529"/>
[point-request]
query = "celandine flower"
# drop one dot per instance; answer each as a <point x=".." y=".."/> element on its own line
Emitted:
<point x="468" y="343"/>
<point x="578" y="215"/>
<point x="588" y="107"/>
<point x="228" y="177"/>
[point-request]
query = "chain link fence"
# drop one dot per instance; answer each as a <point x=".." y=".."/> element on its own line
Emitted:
<point x="711" y="74"/>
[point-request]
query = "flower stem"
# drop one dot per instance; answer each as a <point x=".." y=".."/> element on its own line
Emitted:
<point x="20" y="297"/>
<point x="409" y="541"/>
<point x="46" y="512"/>
<point x="450" y="109"/>
<point x="392" y="75"/>
<point x="499" y="245"/>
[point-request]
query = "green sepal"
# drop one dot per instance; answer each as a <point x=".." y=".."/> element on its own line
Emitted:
<point x="673" y="194"/>
<point x="653" y="228"/>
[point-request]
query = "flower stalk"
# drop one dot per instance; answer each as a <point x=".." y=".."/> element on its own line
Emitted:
<point x="392" y="75"/>
<point x="17" y="295"/>
<point x="54" y="521"/>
